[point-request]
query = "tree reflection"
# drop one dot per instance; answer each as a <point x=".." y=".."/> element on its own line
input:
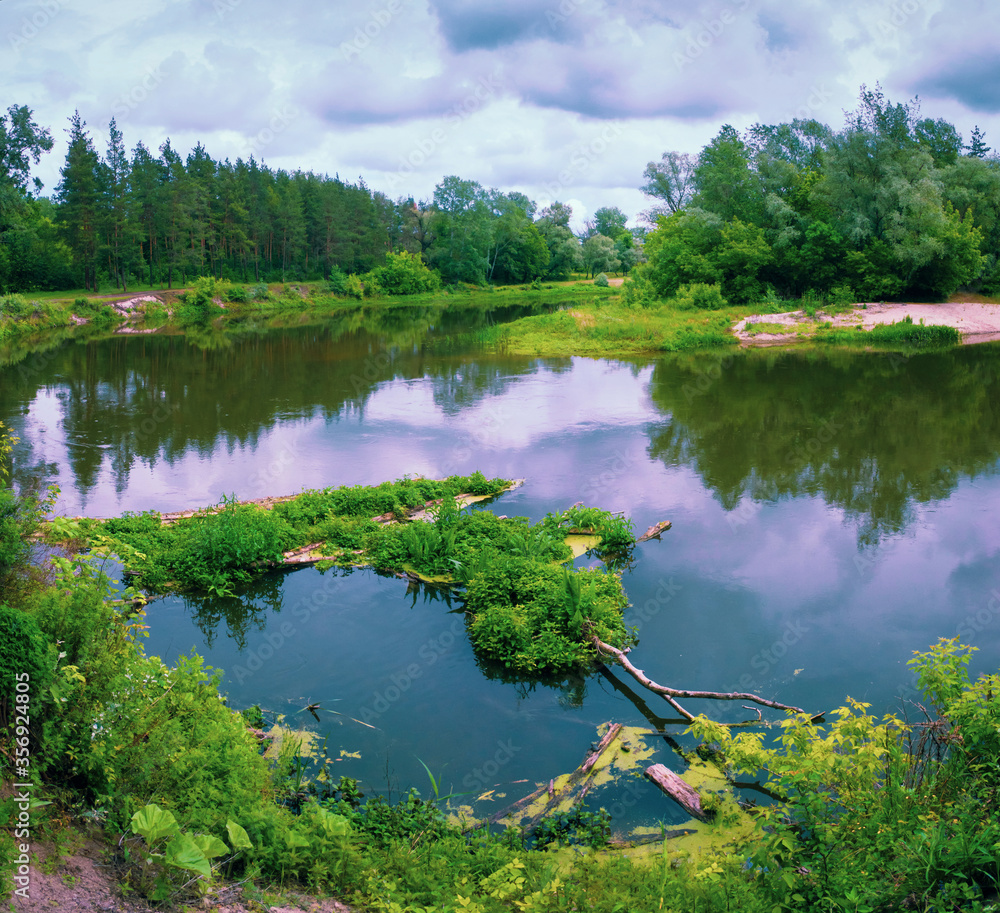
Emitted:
<point x="871" y="433"/>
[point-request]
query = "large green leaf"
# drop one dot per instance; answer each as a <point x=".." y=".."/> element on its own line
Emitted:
<point x="238" y="837"/>
<point x="183" y="853"/>
<point x="153" y="822"/>
<point x="211" y="846"/>
<point x="336" y="825"/>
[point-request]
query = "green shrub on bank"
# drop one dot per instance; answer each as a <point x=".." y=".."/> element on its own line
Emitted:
<point x="903" y="333"/>
<point x="402" y="274"/>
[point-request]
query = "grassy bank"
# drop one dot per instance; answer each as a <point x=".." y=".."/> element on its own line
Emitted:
<point x="564" y="319"/>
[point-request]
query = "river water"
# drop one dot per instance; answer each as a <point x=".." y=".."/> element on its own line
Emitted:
<point x="832" y="513"/>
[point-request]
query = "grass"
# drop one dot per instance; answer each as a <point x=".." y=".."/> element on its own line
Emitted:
<point x="611" y="328"/>
<point x="905" y="333"/>
<point x="755" y="329"/>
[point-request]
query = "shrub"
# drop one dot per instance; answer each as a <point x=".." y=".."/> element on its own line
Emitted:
<point x="699" y="295"/>
<point x="25" y="658"/>
<point x="601" y="280"/>
<point x="528" y="616"/>
<point x="353" y="288"/>
<point x="198" y="304"/>
<point x="403" y="274"/>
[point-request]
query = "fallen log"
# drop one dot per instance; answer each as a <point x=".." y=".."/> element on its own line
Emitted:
<point x="572" y="790"/>
<point x="684" y="795"/>
<point x="654" y="531"/>
<point x="670" y="694"/>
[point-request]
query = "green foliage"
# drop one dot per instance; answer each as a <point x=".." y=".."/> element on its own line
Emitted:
<point x="699" y="296"/>
<point x="526" y="615"/>
<point x="905" y="334"/>
<point x="168" y="848"/>
<point x="27" y="658"/>
<point x="579" y="827"/>
<point x="601" y="280"/>
<point x="213" y="552"/>
<point x="384" y="825"/>
<point x="199" y="305"/>
<point x="404" y="274"/>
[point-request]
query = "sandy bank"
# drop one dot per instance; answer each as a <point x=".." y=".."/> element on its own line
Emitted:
<point x="977" y="322"/>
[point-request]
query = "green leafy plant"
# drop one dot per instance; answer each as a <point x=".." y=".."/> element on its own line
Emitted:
<point x="168" y="849"/>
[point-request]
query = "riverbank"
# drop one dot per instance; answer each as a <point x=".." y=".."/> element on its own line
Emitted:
<point x="567" y="319"/>
<point x="975" y="321"/>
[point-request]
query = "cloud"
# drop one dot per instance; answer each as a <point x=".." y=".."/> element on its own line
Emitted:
<point x="470" y="25"/>
<point x="973" y="80"/>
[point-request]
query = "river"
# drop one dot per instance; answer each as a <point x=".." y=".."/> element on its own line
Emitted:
<point x="832" y="513"/>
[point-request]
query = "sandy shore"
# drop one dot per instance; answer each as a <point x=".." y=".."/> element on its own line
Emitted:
<point x="975" y="321"/>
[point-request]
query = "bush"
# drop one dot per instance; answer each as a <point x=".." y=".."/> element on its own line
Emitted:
<point x="601" y="281"/>
<point x="528" y="616"/>
<point x="403" y="274"/>
<point x="26" y="658"/>
<point x="14" y="306"/>
<point x="198" y="305"/>
<point x="699" y="295"/>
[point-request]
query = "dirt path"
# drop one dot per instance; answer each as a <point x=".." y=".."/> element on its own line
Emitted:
<point x="977" y="322"/>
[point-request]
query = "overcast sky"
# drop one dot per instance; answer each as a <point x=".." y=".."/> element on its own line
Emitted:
<point x="566" y="100"/>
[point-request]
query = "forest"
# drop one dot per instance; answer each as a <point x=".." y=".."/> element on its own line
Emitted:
<point x="891" y="204"/>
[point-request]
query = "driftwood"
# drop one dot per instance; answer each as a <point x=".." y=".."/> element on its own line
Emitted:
<point x="670" y="694"/>
<point x="684" y="795"/>
<point x="574" y="790"/>
<point x="654" y="531"/>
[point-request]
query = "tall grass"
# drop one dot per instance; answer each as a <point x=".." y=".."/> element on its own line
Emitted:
<point x="905" y="333"/>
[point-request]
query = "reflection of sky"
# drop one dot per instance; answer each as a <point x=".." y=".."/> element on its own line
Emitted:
<point x="774" y="593"/>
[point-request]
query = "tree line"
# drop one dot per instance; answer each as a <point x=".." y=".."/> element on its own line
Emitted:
<point x="118" y="219"/>
<point x="892" y="205"/>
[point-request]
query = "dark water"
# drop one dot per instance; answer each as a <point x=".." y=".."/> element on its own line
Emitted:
<point x="832" y="513"/>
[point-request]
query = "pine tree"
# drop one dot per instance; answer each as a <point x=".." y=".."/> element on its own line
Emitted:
<point x="78" y="196"/>
<point x="977" y="147"/>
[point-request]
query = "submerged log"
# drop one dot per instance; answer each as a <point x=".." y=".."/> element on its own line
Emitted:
<point x="684" y="795"/>
<point x="654" y="531"/>
<point x="572" y="791"/>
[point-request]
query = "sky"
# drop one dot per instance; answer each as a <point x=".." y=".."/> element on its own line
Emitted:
<point x="559" y="99"/>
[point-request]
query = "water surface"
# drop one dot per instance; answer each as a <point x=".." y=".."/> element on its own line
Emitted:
<point x="832" y="513"/>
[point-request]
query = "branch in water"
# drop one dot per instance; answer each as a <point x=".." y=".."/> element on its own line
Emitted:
<point x="669" y="694"/>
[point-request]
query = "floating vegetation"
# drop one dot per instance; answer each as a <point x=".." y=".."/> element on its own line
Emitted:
<point x="526" y="611"/>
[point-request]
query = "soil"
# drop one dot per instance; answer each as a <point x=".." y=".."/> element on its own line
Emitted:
<point x="87" y="881"/>
<point x="975" y="321"/>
